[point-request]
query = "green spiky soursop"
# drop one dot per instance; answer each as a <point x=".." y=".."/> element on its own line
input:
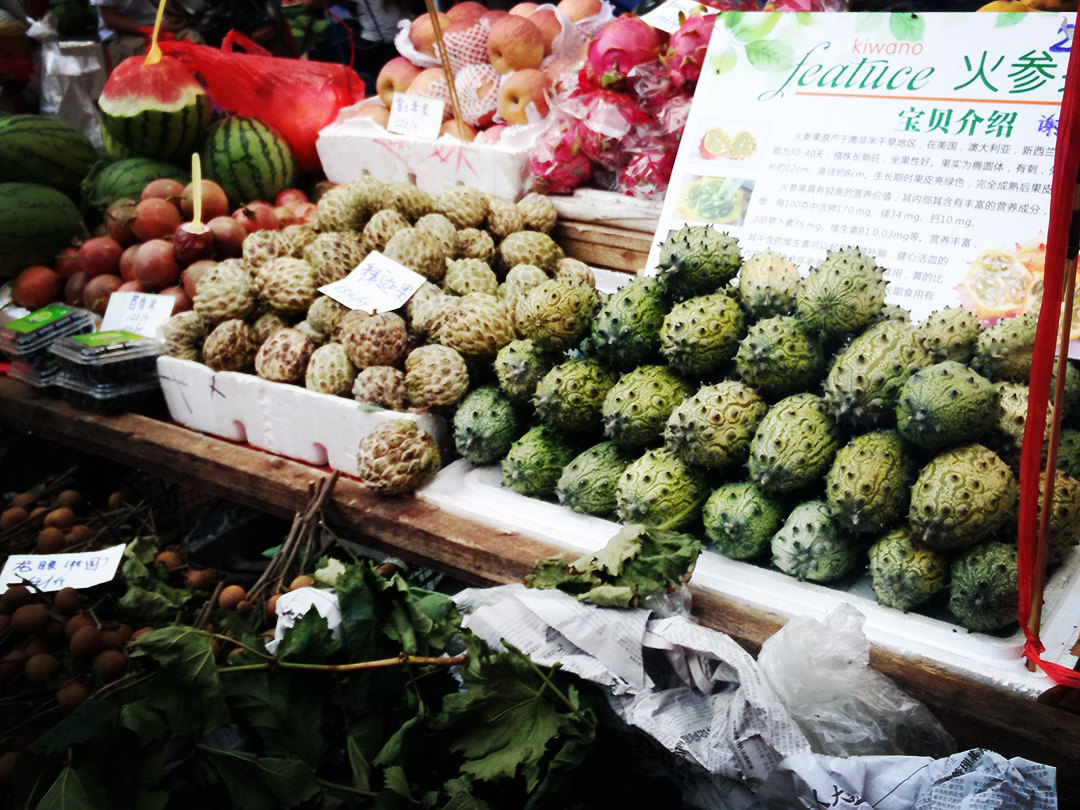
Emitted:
<point x="984" y="593"/>
<point x="713" y="428"/>
<point x="485" y="424"/>
<point x="843" y="294"/>
<point x="519" y="366"/>
<point x="626" y="329"/>
<point x="556" y="314"/>
<point x="903" y="574"/>
<point x="779" y="356"/>
<point x="588" y="483"/>
<point x="768" y="284"/>
<point x="469" y="276"/>
<point x="638" y="405"/>
<point x="949" y="334"/>
<point x="794" y="444"/>
<point x="569" y="397"/>
<point x="697" y="260"/>
<point x="944" y="405"/>
<point x="700" y="335"/>
<point x="530" y="247"/>
<point x="535" y="461"/>
<point x="864" y="380"/>
<point x="1003" y="351"/>
<point x="659" y="489"/>
<point x="962" y="497"/>
<point x="812" y="545"/>
<point x="740" y="519"/>
<point x="869" y="484"/>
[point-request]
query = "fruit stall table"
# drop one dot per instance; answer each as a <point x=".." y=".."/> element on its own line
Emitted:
<point x="976" y="714"/>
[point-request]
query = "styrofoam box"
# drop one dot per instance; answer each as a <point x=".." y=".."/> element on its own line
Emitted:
<point x="288" y="420"/>
<point x="477" y="493"/>
<point x="354" y="146"/>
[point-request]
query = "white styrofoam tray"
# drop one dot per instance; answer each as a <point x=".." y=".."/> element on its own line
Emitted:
<point x="477" y="493"/>
<point x="288" y="420"/>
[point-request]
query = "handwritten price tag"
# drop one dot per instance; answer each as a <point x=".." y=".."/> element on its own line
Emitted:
<point x="378" y="284"/>
<point x="665" y="17"/>
<point x="51" y="572"/>
<point x="141" y="313"/>
<point x="415" y="115"/>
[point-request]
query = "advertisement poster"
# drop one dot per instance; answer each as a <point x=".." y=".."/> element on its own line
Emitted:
<point x="925" y="139"/>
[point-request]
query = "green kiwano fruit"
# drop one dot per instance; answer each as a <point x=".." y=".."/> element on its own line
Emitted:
<point x="714" y="427"/>
<point x="636" y="407"/>
<point x="519" y="367"/>
<point x="740" y="519"/>
<point x="869" y="483"/>
<point x="556" y="315"/>
<point x="588" y="482"/>
<point x="944" y="405"/>
<point x="485" y="424"/>
<point x="962" y="497"/>
<point x="843" y="294"/>
<point x="983" y="593"/>
<point x="1064" y="528"/>
<point x="626" y="329"/>
<point x="658" y="489"/>
<point x="812" y="545"/>
<point x="794" y="444"/>
<point x="1003" y="351"/>
<point x="702" y="334"/>
<point x="535" y="461"/>
<point x="768" y="285"/>
<point x="1068" y="458"/>
<point x="779" y="357"/>
<point x="949" y="334"/>
<point x="569" y="396"/>
<point x="903" y="574"/>
<point x="697" y="260"/>
<point x="864" y="381"/>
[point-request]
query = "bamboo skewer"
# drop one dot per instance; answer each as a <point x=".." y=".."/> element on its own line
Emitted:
<point x="444" y="57"/>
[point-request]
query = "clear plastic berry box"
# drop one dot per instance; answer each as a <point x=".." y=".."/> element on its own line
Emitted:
<point x="25" y="341"/>
<point x="114" y="357"/>
<point x="108" y="398"/>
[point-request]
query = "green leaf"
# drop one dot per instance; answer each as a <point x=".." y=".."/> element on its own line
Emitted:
<point x="309" y="639"/>
<point x="730" y="19"/>
<point x="609" y="560"/>
<point x="804" y="18"/>
<point x="91" y="720"/>
<point x="358" y="765"/>
<point x="72" y="790"/>
<point x="395" y="748"/>
<point x="611" y="596"/>
<point x="148" y="596"/>
<point x="327" y="571"/>
<point x="725" y="60"/>
<point x="271" y="552"/>
<point x="286" y="709"/>
<point x="362" y="614"/>
<point x="460" y="792"/>
<point x="755" y="28"/>
<point x="869" y="20"/>
<point x="770" y="55"/>
<point x="907" y="26"/>
<point x="397" y="781"/>
<point x="256" y="783"/>
<point x="1009" y="18"/>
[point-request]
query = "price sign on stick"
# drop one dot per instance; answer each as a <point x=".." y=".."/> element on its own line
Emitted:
<point x="415" y="115"/>
<point x="378" y="284"/>
<point x="51" y="572"/>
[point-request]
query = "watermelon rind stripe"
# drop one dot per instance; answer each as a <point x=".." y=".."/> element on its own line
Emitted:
<point x="36" y="222"/>
<point x="249" y="159"/>
<point x="161" y="134"/>
<point x="36" y="149"/>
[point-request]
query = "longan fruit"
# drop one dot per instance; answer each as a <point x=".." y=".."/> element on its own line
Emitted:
<point x="30" y="619"/>
<point x="126" y="631"/>
<point x="16" y="596"/>
<point x="39" y="667"/>
<point x="112" y="640"/>
<point x="37" y="646"/>
<point x="243" y="606"/>
<point x="7" y="765"/>
<point x="79" y="533"/>
<point x="76" y="623"/>
<point x="116" y="500"/>
<point x="71" y="498"/>
<point x="5" y="621"/>
<point x="54" y="633"/>
<point x="38" y="512"/>
<point x="231" y="596"/>
<point x="271" y="604"/>
<point x="13" y="663"/>
<point x="86" y="643"/>
<point x="12" y="516"/>
<point x="61" y="517"/>
<point x="110" y="665"/>
<point x="170" y="559"/>
<point x="70" y="695"/>
<point x="302" y="581"/>
<point x="50" y="540"/>
<point x="68" y="601"/>
<point x="24" y="500"/>
<point x="199" y="577"/>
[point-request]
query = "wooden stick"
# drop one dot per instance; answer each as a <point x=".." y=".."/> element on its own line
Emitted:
<point x="444" y="56"/>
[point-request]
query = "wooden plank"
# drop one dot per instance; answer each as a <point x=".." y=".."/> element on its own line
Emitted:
<point x="602" y="246"/>
<point x="974" y="713"/>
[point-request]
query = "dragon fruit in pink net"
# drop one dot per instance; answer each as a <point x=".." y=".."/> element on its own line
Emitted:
<point x="558" y="164"/>
<point x="685" y="53"/>
<point x="603" y="118"/>
<point x="648" y="170"/>
<point x="622" y="44"/>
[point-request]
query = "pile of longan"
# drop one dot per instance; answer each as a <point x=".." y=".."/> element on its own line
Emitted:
<point x="50" y="524"/>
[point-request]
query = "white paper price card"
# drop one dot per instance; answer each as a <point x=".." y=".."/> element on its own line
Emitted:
<point x="378" y="284"/>
<point x="142" y="313"/>
<point x="51" y="572"/>
<point x="415" y="115"/>
<point x="665" y="17"/>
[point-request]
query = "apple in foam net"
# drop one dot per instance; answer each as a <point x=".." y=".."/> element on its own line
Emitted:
<point x="431" y="83"/>
<point x="469" y="11"/>
<point x="521" y="89"/>
<point x="523" y="9"/>
<point x="549" y="25"/>
<point x="376" y="112"/>
<point x="580" y="9"/>
<point x="515" y="44"/>
<point x="422" y="32"/>
<point x="395" y="77"/>
<point x="459" y="130"/>
<point x="478" y="91"/>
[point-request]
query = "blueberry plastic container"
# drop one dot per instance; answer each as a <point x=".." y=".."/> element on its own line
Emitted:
<point x="113" y="358"/>
<point x="35" y="332"/>
<point x="107" y="398"/>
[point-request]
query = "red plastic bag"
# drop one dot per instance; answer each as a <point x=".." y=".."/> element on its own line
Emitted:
<point x="296" y="97"/>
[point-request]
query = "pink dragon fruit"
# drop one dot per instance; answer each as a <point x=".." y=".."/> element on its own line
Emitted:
<point x="647" y="173"/>
<point x="558" y="164"/>
<point x="603" y="119"/>
<point x="621" y="45"/>
<point x="685" y="53"/>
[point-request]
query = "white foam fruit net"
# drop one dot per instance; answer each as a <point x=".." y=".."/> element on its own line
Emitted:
<point x="478" y="93"/>
<point x="468" y="47"/>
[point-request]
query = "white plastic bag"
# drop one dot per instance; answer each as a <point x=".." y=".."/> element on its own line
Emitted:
<point x="821" y="672"/>
<point x="72" y="77"/>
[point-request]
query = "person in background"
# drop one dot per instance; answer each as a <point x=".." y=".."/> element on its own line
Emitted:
<point x="122" y="21"/>
<point x="364" y="31"/>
